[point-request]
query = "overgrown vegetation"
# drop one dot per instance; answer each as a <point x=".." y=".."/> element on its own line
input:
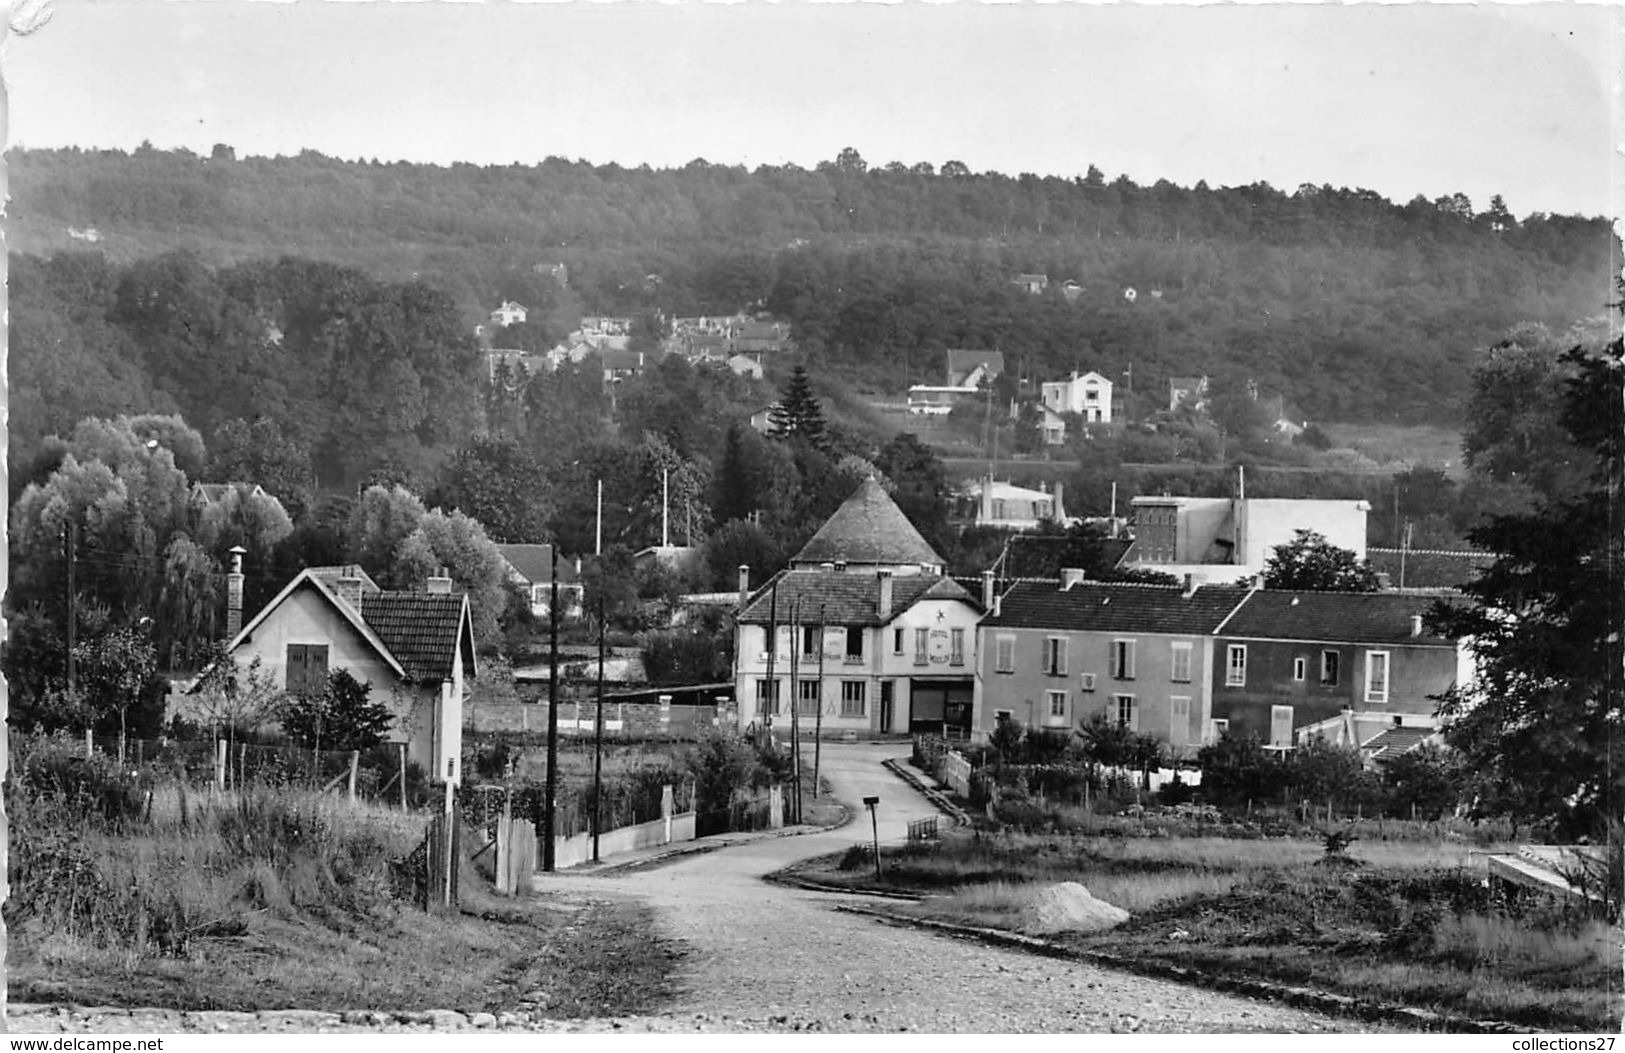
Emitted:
<point x="138" y="890"/>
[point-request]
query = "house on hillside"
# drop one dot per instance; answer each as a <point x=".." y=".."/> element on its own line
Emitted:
<point x="414" y="647"/>
<point x="618" y="365"/>
<point x="762" y="420"/>
<point x="760" y="336"/>
<point x="969" y="369"/>
<point x="1348" y="666"/>
<point x="1032" y="284"/>
<point x="1089" y="395"/>
<point x="520" y="365"/>
<point x="1054" y="654"/>
<point x="530" y="567"/>
<point x="1006" y="506"/>
<point x="1071" y="290"/>
<point x="1228" y="539"/>
<point x="1187" y="391"/>
<point x="509" y="313"/>
<point x="861" y="633"/>
<point x="746" y="366"/>
<point x="206" y="495"/>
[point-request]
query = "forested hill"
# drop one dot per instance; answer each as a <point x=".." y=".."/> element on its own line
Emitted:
<point x="1349" y="306"/>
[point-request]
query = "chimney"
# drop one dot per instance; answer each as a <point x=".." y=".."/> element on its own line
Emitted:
<point x="1070" y="576"/>
<point x="744" y="585"/>
<point x="439" y="583"/>
<point x="1190" y="586"/>
<point x="884" y="603"/>
<point x="234" y="593"/>
<point x="348" y="586"/>
<point x="987" y="590"/>
<point x="1416" y="625"/>
<point x="1060" y="508"/>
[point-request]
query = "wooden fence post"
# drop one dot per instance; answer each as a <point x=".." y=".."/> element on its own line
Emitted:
<point x="403" y="776"/>
<point x="220" y="764"/>
<point x="355" y="762"/>
<point x="90" y="745"/>
<point x="242" y="764"/>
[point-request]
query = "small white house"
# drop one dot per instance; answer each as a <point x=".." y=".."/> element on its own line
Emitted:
<point x="1089" y="395"/>
<point x="509" y="313"/>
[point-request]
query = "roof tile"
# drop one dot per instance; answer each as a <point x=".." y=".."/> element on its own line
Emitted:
<point x="419" y="628"/>
<point x="1116" y="607"/>
<point x="844" y="597"/>
<point x="868" y="528"/>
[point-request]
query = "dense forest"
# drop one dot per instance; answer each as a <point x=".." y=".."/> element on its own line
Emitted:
<point x="1344" y="304"/>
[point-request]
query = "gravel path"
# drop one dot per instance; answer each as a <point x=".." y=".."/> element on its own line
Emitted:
<point x="766" y="956"/>
<point x="763" y="957"/>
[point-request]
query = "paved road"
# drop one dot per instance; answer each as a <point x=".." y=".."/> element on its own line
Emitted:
<point x="765" y="956"/>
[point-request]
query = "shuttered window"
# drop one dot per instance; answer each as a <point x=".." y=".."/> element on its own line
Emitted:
<point x="307" y="669"/>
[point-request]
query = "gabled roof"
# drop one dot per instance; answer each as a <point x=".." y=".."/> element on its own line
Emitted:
<point x="870" y="529"/>
<point x="844" y="597"/>
<point x="423" y="630"/>
<point x="214" y="493"/>
<point x="1332" y="617"/>
<point x="1186" y="383"/>
<point x="534" y="563"/>
<point x="961" y="362"/>
<point x="416" y="633"/>
<point x="1115" y="607"/>
<point x="614" y="358"/>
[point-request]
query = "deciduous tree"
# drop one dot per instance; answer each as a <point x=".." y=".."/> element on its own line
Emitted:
<point x="1310" y="562"/>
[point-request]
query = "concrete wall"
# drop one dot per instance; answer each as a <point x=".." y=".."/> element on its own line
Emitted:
<point x="1269" y="523"/>
<point x="574" y="851"/>
<point x="621" y="719"/>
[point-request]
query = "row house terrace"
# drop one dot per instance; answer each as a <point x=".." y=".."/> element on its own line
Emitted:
<point x="1294" y="665"/>
<point x="1055" y="655"/>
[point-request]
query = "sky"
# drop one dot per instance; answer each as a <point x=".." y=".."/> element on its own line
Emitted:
<point x="1403" y="99"/>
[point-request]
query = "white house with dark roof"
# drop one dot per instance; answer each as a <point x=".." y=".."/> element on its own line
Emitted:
<point x="1089" y="395"/>
<point x="415" y="648"/>
<point x="530" y="567"/>
<point x="509" y="313"/>
<point x="862" y="633"/>
<point x="968" y="369"/>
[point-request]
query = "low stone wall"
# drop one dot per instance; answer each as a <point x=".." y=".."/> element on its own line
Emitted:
<point x="621" y="719"/>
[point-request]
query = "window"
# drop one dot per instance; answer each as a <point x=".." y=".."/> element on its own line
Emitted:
<point x="1055" y="655"/>
<point x="767" y="697"/>
<point x="1128" y="712"/>
<point x="1004" y="654"/>
<point x="1328" y="668"/>
<point x="767" y="640"/>
<point x="854" y="643"/>
<point x="1179" y="708"/>
<point x="307" y="669"/>
<point x="1057" y="703"/>
<point x="897" y="641"/>
<point x="956" y="654"/>
<point x="1300" y="670"/>
<point x="810" y="644"/>
<point x="807" y="693"/>
<point x="1235" y="666"/>
<point x="922" y="642"/>
<point x="1280" y="725"/>
<point x="1376" y="676"/>
<point x="998" y="508"/>
<point x="852" y="695"/>
<point x="1122" y="659"/>
<point x="1181" y="673"/>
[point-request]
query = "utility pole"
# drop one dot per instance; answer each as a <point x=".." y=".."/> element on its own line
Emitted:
<point x="818" y="718"/>
<point x="598" y="540"/>
<point x="598" y="738"/>
<point x="548" y="855"/>
<point x="772" y="652"/>
<point x="70" y="545"/>
<point x="795" y="707"/>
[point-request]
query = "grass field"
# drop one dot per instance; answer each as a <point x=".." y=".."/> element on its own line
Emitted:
<point x="1399" y="922"/>
<point x="1425" y="445"/>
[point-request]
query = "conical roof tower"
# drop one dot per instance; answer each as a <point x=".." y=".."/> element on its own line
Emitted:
<point x="869" y="531"/>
